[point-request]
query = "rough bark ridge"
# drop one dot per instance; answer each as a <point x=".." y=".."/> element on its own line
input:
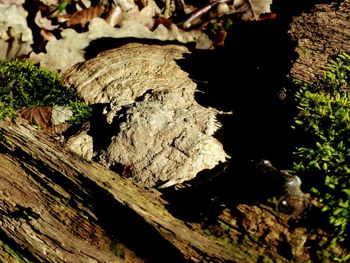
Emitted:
<point x="46" y="204"/>
<point x="320" y="34"/>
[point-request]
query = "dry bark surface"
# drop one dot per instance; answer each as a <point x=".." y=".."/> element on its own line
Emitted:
<point x="48" y="206"/>
<point x="320" y="35"/>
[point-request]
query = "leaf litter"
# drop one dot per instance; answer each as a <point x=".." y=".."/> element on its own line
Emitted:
<point x="63" y="29"/>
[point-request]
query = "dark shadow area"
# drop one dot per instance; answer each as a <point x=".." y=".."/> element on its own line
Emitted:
<point x="130" y="229"/>
<point x="119" y="221"/>
<point x="284" y="248"/>
<point x="98" y="123"/>
<point x="10" y="245"/>
<point x="247" y="76"/>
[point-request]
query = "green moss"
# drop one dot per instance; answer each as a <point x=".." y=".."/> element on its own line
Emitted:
<point x="118" y="249"/>
<point x="81" y="112"/>
<point x="323" y="120"/>
<point x="23" y="84"/>
<point x="13" y="253"/>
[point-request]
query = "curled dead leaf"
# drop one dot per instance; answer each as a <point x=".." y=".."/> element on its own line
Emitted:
<point x="242" y="9"/>
<point x="260" y="7"/>
<point x="50" y="119"/>
<point x="44" y="22"/>
<point x="84" y="16"/>
<point x="38" y="115"/>
<point x="47" y="35"/>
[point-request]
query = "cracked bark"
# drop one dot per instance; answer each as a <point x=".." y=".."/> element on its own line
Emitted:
<point x="50" y="207"/>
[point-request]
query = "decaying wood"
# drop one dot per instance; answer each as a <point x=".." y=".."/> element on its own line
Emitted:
<point x="47" y="204"/>
<point x="162" y="136"/>
<point x="320" y="35"/>
<point x="123" y="75"/>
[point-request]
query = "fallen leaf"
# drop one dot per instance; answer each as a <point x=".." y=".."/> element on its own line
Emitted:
<point x="251" y="9"/>
<point x="84" y="16"/>
<point x="18" y="4"/>
<point x="47" y="35"/>
<point x="126" y="5"/>
<point x="260" y="7"/>
<point x="44" y="22"/>
<point x="38" y="115"/>
<point x="75" y="43"/>
<point x="61" y="114"/>
<point x="53" y="120"/>
<point x="114" y="16"/>
<point x="15" y="36"/>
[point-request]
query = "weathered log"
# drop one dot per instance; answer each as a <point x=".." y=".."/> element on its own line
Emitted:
<point x="51" y="201"/>
<point x="320" y="34"/>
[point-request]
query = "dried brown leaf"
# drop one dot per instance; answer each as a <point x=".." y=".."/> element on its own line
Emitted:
<point x="84" y="16"/>
<point x="51" y="119"/>
<point x="47" y="35"/>
<point x="38" y="115"/>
